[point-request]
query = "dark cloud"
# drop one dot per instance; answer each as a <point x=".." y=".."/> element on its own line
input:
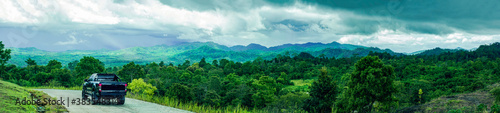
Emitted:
<point x="117" y="24"/>
<point x="477" y="17"/>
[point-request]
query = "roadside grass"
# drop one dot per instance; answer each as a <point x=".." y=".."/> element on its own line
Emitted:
<point x="11" y="92"/>
<point x="56" y="87"/>
<point x="191" y="106"/>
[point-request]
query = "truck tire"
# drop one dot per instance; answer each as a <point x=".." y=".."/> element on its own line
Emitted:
<point x="84" y="96"/>
<point x="121" y="100"/>
<point x="95" y="98"/>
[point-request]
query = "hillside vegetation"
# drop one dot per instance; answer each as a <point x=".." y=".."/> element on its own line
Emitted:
<point x="302" y="82"/>
<point x="10" y="93"/>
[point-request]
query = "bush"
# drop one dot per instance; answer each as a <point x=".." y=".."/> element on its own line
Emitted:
<point x="481" y="108"/>
<point x="138" y="86"/>
<point x="496" y="92"/>
<point x="455" y="111"/>
<point x="179" y="91"/>
<point x="495" y="109"/>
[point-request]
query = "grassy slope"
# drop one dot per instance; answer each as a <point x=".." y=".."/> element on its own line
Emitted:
<point x="9" y="93"/>
<point x="466" y="102"/>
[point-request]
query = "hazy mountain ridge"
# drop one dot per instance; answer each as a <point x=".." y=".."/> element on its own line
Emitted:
<point x="437" y="51"/>
<point x="192" y="51"/>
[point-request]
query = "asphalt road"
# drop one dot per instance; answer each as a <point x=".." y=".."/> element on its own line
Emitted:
<point x="130" y="106"/>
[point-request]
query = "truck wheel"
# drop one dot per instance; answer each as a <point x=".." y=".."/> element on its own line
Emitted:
<point x="95" y="98"/>
<point x="121" y="100"/>
<point x="84" y="96"/>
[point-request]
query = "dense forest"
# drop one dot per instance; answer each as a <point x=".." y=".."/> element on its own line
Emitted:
<point x="378" y="82"/>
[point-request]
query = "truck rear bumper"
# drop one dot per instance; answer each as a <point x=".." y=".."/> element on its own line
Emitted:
<point x="113" y="93"/>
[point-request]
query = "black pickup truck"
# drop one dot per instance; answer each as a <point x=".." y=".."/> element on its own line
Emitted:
<point x="103" y="88"/>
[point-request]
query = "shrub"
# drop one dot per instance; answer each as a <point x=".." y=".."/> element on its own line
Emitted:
<point x="496" y="92"/>
<point x="138" y="86"/>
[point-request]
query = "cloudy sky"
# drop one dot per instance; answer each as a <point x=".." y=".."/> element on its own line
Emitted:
<point x="400" y="25"/>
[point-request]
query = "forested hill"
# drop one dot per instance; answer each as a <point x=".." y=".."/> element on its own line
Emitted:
<point x="193" y="51"/>
<point x="307" y="81"/>
<point x="437" y="51"/>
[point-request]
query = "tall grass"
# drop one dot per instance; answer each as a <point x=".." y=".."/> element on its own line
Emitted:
<point x="56" y="87"/>
<point x="191" y="106"/>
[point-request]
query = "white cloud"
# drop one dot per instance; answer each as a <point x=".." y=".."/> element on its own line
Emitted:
<point x="72" y="41"/>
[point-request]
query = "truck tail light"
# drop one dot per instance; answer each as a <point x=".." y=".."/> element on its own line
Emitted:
<point x="125" y="87"/>
<point x="100" y="85"/>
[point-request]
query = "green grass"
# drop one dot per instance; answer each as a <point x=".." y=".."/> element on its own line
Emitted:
<point x="10" y="92"/>
<point x="191" y="106"/>
<point x="302" y="82"/>
<point x="300" y="85"/>
<point x="59" y="87"/>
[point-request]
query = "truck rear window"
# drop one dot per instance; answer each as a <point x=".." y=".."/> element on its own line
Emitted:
<point x="107" y="78"/>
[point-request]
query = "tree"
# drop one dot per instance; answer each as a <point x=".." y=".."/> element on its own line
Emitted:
<point x="139" y="87"/>
<point x="323" y="93"/>
<point x="180" y="92"/>
<point x="72" y="65"/>
<point x="186" y="64"/>
<point x="215" y="63"/>
<point x="370" y="82"/>
<point x="266" y="87"/>
<point x="63" y="76"/>
<point x="4" y="57"/>
<point x="53" y="64"/>
<point x="30" y="62"/>
<point x="87" y="65"/>
<point x="131" y="71"/>
<point x="162" y="64"/>
<point x="202" y="63"/>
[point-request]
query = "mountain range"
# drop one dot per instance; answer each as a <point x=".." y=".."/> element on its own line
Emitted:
<point x="192" y="51"/>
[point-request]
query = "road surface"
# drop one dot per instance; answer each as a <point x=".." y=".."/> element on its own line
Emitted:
<point x="130" y="106"/>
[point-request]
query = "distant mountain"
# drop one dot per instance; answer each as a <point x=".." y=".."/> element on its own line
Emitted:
<point x="310" y="46"/>
<point x="251" y="46"/>
<point x="437" y="51"/>
<point x="192" y="51"/>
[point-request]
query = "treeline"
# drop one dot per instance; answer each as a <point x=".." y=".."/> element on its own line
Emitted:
<point x="379" y="82"/>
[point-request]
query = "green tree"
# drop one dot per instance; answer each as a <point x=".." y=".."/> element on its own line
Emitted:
<point x="202" y="63"/>
<point x="212" y="98"/>
<point x="370" y="82"/>
<point x="4" y="57"/>
<point x="180" y="92"/>
<point x="87" y="65"/>
<point x="63" y="76"/>
<point x="162" y="64"/>
<point x="72" y="65"/>
<point x="30" y="62"/>
<point x="215" y="63"/>
<point x="53" y="64"/>
<point x="131" y="71"/>
<point x="139" y="87"/>
<point x="323" y="93"/>
<point x="265" y="92"/>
